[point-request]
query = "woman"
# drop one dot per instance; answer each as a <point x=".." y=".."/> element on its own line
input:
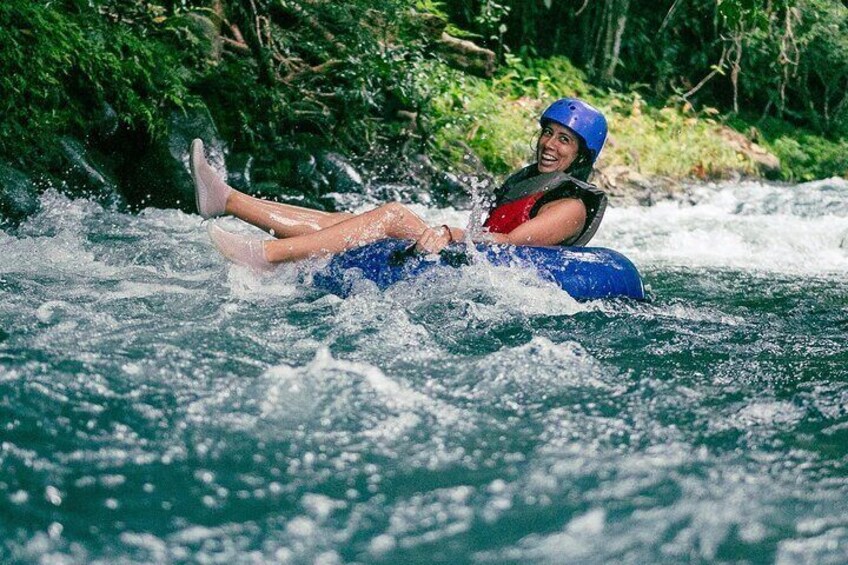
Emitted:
<point x="546" y="203"/>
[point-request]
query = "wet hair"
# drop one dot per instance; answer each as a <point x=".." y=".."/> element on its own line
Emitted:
<point x="581" y="168"/>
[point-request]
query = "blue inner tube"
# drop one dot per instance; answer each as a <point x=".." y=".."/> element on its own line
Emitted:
<point x="585" y="273"/>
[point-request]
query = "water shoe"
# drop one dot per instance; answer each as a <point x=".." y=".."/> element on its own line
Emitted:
<point x="240" y="249"/>
<point x="210" y="191"/>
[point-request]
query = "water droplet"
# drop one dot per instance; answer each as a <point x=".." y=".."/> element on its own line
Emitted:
<point x="55" y="530"/>
<point x="53" y="496"/>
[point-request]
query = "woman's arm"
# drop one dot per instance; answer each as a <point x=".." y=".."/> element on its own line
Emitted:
<point x="556" y="222"/>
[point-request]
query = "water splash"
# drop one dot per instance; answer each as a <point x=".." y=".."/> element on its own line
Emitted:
<point x="162" y="405"/>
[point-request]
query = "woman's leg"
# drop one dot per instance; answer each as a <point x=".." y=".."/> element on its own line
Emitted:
<point x="215" y="198"/>
<point x="389" y="220"/>
<point x="282" y="220"/>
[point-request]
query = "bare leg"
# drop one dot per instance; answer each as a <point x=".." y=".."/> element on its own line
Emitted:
<point x="390" y="220"/>
<point x="215" y="197"/>
<point x="308" y="232"/>
<point x="283" y="220"/>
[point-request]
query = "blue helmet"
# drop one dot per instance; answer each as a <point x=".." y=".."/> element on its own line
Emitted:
<point x="585" y="120"/>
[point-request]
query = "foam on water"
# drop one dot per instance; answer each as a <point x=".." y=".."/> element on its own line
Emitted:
<point x="748" y="226"/>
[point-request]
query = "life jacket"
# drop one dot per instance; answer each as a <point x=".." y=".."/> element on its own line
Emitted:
<point x="526" y="191"/>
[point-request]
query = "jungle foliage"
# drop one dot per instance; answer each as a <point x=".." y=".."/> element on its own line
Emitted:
<point x="360" y="75"/>
<point x="780" y="58"/>
<point x="267" y="68"/>
<point x="61" y="61"/>
<point x="775" y="67"/>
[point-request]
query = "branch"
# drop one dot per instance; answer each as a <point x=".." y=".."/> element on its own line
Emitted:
<point x="314" y="70"/>
<point x="583" y="7"/>
<point x="736" y="68"/>
<point x="315" y="24"/>
<point x="716" y="70"/>
<point x="668" y="15"/>
<point x="257" y="26"/>
<point x="237" y="33"/>
<point x="238" y="43"/>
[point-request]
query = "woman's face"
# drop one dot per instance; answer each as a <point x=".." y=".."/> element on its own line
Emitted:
<point x="557" y="148"/>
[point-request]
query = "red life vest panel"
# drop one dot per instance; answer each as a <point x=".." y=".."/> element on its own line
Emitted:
<point x="510" y="215"/>
<point x="526" y="191"/>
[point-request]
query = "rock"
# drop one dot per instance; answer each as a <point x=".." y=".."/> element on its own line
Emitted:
<point x="446" y="188"/>
<point x="88" y="175"/>
<point x="160" y="175"/>
<point x="106" y="125"/>
<point x="408" y="118"/>
<point x="183" y="127"/>
<point x="208" y="35"/>
<point x="450" y="190"/>
<point x="428" y="26"/>
<point x="295" y="176"/>
<point x="627" y="187"/>
<point x="342" y="176"/>
<point x="467" y="56"/>
<point x="307" y="174"/>
<point x="240" y="171"/>
<point x="294" y="170"/>
<point x="767" y="163"/>
<point x="18" y="195"/>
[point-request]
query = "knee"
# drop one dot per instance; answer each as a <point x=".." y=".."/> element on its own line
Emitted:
<point x="394" y="210"/>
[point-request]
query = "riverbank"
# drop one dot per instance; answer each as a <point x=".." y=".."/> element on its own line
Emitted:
<point x="104" y="99"/>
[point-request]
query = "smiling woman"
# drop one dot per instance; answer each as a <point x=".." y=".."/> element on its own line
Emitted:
<point x="549" y="202"/>
<point x="546" y="203"/>
<point x="557" y="148"/>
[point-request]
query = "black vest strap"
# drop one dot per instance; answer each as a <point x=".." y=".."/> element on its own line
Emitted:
<point x="558" y="185"/>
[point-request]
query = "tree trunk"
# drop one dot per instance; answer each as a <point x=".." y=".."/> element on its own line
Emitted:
<point x="528" y="23"/>
<point x="736" y="65"/>
<point x="607" y="44"/>
<point x="620" y="24"/>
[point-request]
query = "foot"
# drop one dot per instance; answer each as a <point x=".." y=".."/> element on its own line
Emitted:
<point x="241" y="249"/>
<point x="210" y="191"/>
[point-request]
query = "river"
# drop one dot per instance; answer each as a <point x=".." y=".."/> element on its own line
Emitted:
<point x="159" y="405"/>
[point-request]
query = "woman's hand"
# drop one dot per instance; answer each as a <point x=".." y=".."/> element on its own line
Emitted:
<point x="433" y="240"/>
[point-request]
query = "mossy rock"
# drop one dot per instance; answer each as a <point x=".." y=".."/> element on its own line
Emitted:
<point x="105" y="124"/>
<point x="160" y="175"/>
<point x="88" y="174"/>
<point x="339" y="172"/>
<point x="240" y="171"/>
<point x="18" y="195"/>
<point x="207" y="35"/>
<point x="295" y="170"/>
